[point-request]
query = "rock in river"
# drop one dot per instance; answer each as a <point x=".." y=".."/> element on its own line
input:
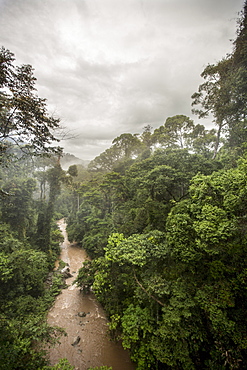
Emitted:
<point x="66" y="272"/>
<point x="82" y="314"/>
<point x="76" y="341"/>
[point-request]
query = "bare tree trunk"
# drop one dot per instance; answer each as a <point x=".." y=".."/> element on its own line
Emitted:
<point x="217" y="143"/>
<point x="78" y="201"/>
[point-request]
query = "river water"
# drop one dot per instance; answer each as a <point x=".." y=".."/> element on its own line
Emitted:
<point x="95" y="347"/>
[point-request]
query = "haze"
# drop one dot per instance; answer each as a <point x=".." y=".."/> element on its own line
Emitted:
<point x="109" y="67"/>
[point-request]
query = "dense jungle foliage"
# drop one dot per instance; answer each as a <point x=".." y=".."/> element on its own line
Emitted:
<point x="30" y="179"/>
<point x="162" y="215"/>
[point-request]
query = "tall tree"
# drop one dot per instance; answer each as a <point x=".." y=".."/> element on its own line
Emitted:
<point x="174" y="132"/>
<point x="214" y="96"/>
<point x="224" y="92"/>
<point x="106" y="160"/>
<point x="17" y="204"/>
<point x="239" y="65"/>
<point x="127" y="144"/>
<point x="146" y="137"/>
<point x="55" y="176"/>
<point x="123" y="148"/>
<point x="25" y="120"/>
<point x="202" y="141"/>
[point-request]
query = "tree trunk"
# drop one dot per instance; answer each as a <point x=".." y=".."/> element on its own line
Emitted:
<point x="217" y="143"/>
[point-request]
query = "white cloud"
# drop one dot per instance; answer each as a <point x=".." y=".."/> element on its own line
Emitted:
<point x="110" y="66"/>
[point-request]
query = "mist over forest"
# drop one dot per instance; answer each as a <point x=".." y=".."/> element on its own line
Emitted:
<point x="161" y="214"/>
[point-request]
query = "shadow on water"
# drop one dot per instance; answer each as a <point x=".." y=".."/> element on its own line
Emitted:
<point x="88" y="333"/>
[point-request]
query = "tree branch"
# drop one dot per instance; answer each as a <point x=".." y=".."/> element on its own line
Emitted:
<point x="150" y="295"/>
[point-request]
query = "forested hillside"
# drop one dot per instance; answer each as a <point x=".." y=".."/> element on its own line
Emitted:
<point x="30" y="179"/>
<point x="161" y="213"/>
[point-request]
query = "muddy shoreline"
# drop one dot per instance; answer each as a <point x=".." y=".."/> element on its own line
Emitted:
<point x="94" y="347"/>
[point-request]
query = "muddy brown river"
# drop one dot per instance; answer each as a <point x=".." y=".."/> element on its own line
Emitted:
<point x="94" y="347"/>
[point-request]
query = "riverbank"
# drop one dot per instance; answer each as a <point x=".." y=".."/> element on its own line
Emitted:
<point x="87" y="343"/>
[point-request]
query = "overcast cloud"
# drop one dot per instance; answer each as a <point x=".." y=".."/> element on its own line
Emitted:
<point x="109" y="67"/>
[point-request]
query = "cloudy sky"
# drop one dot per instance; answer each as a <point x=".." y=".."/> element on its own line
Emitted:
<point x="109" y="67"/>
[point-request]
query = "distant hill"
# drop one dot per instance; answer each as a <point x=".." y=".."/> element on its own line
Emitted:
<point x="69" y="159"/>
